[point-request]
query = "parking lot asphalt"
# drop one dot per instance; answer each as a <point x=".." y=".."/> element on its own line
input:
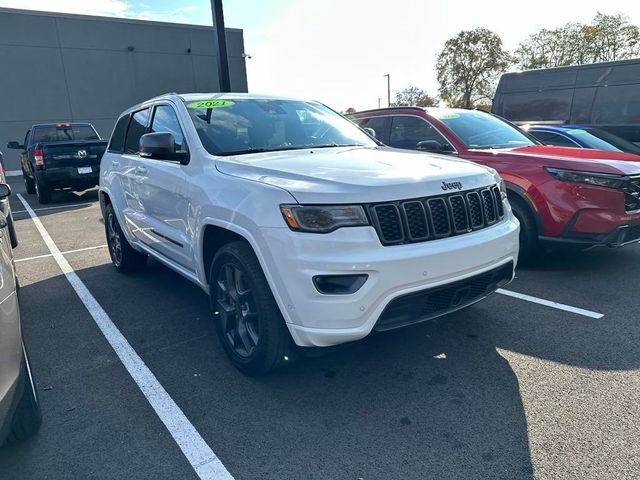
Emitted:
<point x="506" y="389"/>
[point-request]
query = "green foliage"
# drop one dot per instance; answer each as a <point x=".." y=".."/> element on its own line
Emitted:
<point x="414" y="97"/>
<point x="606" y="38"/>
<point x="468" y="67"/>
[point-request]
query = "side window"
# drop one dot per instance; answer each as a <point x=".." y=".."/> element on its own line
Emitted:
<point x="26" y="139"/>
<point x="165" y="120"/>
<point x="549" y="138"/>
<point x="407" y="131"/>
<point x="617" y="104"/>
<point x="378" y="124"/>
<point x="116" y="144"/>
<point x="137" y="128"/>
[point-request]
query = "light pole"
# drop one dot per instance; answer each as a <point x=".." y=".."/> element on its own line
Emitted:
<point x="388" y="89"/>
<point x="220" y="45"/>
<point x="379" y="102"/>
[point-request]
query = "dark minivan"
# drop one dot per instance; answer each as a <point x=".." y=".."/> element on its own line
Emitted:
<point x="606" y="95"/>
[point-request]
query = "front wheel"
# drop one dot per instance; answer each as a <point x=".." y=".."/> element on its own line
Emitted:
<point x="529" y="247"/>
<point x="123" y="256"/>
<point x="248" y="320"/>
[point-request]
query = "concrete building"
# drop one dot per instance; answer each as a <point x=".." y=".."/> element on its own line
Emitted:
<point x="65" y="68"/>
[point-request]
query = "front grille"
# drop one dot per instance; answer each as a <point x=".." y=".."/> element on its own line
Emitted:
<point x="434" y="302"/>
<point x="431" y="218"/>
<point x="632" y="195"/>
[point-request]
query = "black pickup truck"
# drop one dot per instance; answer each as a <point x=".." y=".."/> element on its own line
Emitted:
<point x="60" y="155"/>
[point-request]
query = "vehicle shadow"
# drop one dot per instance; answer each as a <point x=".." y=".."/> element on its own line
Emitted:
<point x="432" y="401"/>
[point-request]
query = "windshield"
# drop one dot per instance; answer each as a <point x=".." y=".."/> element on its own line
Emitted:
<point x="479" y="130"/>
<point x="604" y="140"/>
<point x="239" y="126"/>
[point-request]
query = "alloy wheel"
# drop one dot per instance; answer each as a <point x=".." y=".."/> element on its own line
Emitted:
<point x="115" y="244"/>
<point x="237" y="310"/>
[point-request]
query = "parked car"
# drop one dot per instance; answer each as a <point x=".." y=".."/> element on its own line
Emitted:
<point x="603" y="95"/>
<point x="60" y="155"/>
<point x="299" y="225"/>
<point x="5" y="207"/>
<point x="20" y="415"/>
<point x="567" y="195"/>
<point x="581" y="136"/>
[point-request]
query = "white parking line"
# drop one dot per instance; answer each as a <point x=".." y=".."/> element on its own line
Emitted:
<point x="56" y="207"/>
<point x="205" y="463"/>
<point x="548" y="303"/>
<point x="63" y="253"/>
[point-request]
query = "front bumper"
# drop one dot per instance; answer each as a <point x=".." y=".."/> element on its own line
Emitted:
<point x="316" y="319"/>
<point x="620" y="236"/>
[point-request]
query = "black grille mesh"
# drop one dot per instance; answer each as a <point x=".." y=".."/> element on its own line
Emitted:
<point x="390" y="225"/>
<point x="423" y="219"/>
<point x="416" y="220"/>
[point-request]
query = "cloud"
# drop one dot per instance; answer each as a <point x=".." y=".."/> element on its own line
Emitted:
<point x="105" y="8"/>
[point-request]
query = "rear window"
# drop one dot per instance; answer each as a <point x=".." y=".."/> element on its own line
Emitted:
<point x="64" y="133"/>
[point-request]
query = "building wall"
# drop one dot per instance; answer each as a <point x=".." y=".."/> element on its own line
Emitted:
<point x="65" y="68"/>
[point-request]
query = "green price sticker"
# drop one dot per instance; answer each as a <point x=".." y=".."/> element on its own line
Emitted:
<point x="576" y="131"/>
<point x="210" y="104"/>
<point x="448" y="116"/>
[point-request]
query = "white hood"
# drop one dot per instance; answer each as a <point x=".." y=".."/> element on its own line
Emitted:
<point x="357" y="174"/>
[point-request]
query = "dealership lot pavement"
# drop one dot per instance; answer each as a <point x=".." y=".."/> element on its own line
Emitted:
<point x="506" y="389"/>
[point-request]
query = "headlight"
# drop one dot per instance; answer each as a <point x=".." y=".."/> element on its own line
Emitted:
<point x="597" y="179"/>
<point x="323" y="219"/>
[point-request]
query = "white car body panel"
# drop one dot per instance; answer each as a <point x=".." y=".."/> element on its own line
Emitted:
<point x="165" y="208"/>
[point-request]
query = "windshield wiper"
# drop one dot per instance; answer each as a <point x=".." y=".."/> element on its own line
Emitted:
<point x="290" y="147"/>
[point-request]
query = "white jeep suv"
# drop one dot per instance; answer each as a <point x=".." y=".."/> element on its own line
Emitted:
<point x="302" y="228"/>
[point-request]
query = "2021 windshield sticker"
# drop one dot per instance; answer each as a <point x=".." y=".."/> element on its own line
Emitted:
<point x="210" y="104"/>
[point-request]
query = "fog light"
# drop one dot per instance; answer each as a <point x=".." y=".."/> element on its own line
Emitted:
<point x="339" y="284"/>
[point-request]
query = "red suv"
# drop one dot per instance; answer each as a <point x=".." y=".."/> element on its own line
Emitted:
<point x="571" y="195"/>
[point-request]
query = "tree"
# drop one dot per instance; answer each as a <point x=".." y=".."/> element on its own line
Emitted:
<point x="469" y="65"/>
<point x="553" y="48"/>
<point x="606" y="38"/>
<point x="414" y="96"/>
<point x="611" y="37"/>
<point x="349" y="111"/>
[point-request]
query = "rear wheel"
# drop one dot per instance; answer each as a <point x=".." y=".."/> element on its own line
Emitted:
<point x="529" y="246"/>
<point x="29" y="184"/>
<point x="43" y="192"/>
<point x="248" y="320"/>
<point x="27" y="417"/>
<point x="124" y="257"/>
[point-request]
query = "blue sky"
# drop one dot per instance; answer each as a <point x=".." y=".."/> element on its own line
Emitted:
<point x="337" y="51"/>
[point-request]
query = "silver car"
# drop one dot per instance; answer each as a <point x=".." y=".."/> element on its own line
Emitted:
<point x="19" y="408"/>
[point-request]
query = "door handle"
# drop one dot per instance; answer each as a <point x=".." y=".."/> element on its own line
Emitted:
<point x="142" y="170"/>
<point x="115" y="163"/>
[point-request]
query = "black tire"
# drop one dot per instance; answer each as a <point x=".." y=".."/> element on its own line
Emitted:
<point x="43" y="192"/>
<point x="529" y="246"/>
<point x="12" y="230"/>
<point x="123" y="256"/>
<point x="248" y="320"/>
<point x="27" y="417"/>
<point x="29" y="184"/>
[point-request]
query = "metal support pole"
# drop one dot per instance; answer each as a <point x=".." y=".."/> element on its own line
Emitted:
<point x="388" y="89"/>
<point x="220" y="46"/>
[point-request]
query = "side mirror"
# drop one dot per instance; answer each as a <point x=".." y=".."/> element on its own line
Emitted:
<point x="15" y="146"/>
<point x="5" y="190"/>
<point x="430" y="146"/>
<point x="370" y="131"/>
<point x="161" y="146"/>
